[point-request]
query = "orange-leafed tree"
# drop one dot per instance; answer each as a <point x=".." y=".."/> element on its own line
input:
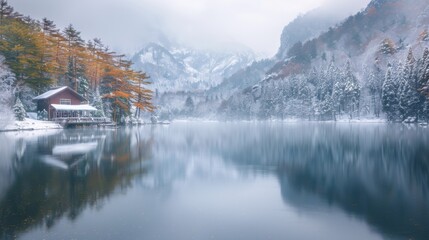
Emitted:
<point x="124" y="88"/>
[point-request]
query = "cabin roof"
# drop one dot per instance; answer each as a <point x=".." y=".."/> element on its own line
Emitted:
<point x="82" y="107"/>
<point x="53" y="92"/>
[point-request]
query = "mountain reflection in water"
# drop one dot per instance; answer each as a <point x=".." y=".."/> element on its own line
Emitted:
<point x="374" y="176"/>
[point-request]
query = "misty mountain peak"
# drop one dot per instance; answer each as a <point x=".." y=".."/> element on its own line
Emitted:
<point x="378" y="4"/>
<point x="309" y="25"/>
<point x="177" y="67"/>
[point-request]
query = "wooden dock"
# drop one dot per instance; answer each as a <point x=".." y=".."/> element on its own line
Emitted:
<point x="70" y="122"/>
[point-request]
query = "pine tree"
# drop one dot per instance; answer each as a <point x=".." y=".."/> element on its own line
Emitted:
<point x="325" y="106"/>
<point x="98" y="104"/>
<point x="409" y="99"/>
<point x="189" y="105"/>
<point x="7" y="82"/>
<point x="423" y="68"/>
<point x="305" y="96"/>
<point x="425" y="112"/>
<point x="19" y="110"/>
<point x="83" y="87"/>
<point x="390" y="97"/>
<point x="375" y="85"/>
<point x="422" y="81"/>
<point x="6" y="11"/>
<point x="42" y="115"/>
<point x="49" y="27"/>
<point x="351" y="91"/>
<point x="338" y="96"/>
<point x="387" y="47"/>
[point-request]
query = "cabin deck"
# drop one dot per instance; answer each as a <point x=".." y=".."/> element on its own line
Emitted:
<point x="81" y="121"/>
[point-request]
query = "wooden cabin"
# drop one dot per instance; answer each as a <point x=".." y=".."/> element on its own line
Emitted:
<point x="63" y="102"/>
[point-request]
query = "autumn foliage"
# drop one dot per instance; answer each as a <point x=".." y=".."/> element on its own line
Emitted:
<point x="41" y="56"/>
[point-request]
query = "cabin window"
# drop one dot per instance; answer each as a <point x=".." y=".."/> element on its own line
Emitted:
<point x="64" y="101"/>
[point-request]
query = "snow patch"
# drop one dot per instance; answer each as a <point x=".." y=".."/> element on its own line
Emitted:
<point x="147" y="58"/>
<point x="31" y="124"/>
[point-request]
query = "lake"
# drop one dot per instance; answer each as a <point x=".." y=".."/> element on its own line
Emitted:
<point x="236" y="180"/>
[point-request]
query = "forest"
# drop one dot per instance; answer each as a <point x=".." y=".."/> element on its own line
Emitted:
<point x="400" y="93"/>
<point x="37" y="56"/>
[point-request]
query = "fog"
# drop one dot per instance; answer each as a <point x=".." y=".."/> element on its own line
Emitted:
<point x="128" y="24"/>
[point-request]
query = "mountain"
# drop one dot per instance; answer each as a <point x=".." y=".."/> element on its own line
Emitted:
<point x="305" y="27"/>
<point x="341" y="73"/>
<point x="301" y="29"/>
<point x="177" y="68"/>
<point x="383" y="31"/>
<point x="243" y="78"/>
<point x="310" y="25"/>
<point x="207" y="103"/>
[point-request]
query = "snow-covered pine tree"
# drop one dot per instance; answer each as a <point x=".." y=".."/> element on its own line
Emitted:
<point x="281" y="98"/>
<point x="409" y="99"/>
<point x="425" y="112"/>
<point x="7" y="79"/>
<point x="83" y="87"/>
<point x="375" y="85"/>
<point x="189" y="105"/>
<point x="98" y="104"/>
<point x="390" y="97"/>
<point x="423" y="81"/>
<point x="267" y="100"/>
<point x="19" y="110"/>
<point x="423" y="67"/>
<point x="305" y="94"/>
<point x="351" y="91"/>
<point x="42" y="115"/>
<point x="324" y="103"/>
<point x="338" y="96"/>
<point x="387" y="47"/>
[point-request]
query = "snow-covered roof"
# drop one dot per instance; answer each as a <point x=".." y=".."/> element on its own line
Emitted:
<point x="49" y="93"/>
<point x="52" y="92"/>
<point x="83" y="107"/>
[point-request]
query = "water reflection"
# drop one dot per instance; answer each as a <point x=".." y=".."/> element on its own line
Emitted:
<point x="379" y="173"/>
<point x="376" y="173"/>
<point x="60" y="175"/>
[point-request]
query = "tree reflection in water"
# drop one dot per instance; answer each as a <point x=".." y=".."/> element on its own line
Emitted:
<point x="378" y="173"/>
<point x="61" y="175"/>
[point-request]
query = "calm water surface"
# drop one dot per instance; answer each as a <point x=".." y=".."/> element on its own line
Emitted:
<point x="217" y="181"/>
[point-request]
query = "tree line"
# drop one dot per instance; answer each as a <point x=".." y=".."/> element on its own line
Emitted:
<point x="42" y="56"/>
<point x="405" y="89"/>
<point x="401" y="93"/>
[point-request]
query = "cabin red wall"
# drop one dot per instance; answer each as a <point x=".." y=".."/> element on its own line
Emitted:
<point x="66" y="94"/>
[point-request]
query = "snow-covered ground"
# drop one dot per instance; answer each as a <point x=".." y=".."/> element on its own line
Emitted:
<point x="31" y="124"/>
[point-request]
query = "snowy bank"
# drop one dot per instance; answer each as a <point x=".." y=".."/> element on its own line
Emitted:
<point x="31" y="124"/>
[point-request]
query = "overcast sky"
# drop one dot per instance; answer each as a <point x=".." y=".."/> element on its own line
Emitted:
<point x="125" y="25"/>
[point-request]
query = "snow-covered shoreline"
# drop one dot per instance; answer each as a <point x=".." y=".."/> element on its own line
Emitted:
<point x="29" y="125"/>
<point x="289" y="120"/>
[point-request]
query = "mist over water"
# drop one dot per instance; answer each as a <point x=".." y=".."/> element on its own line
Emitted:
<point x="246" y="180"/>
